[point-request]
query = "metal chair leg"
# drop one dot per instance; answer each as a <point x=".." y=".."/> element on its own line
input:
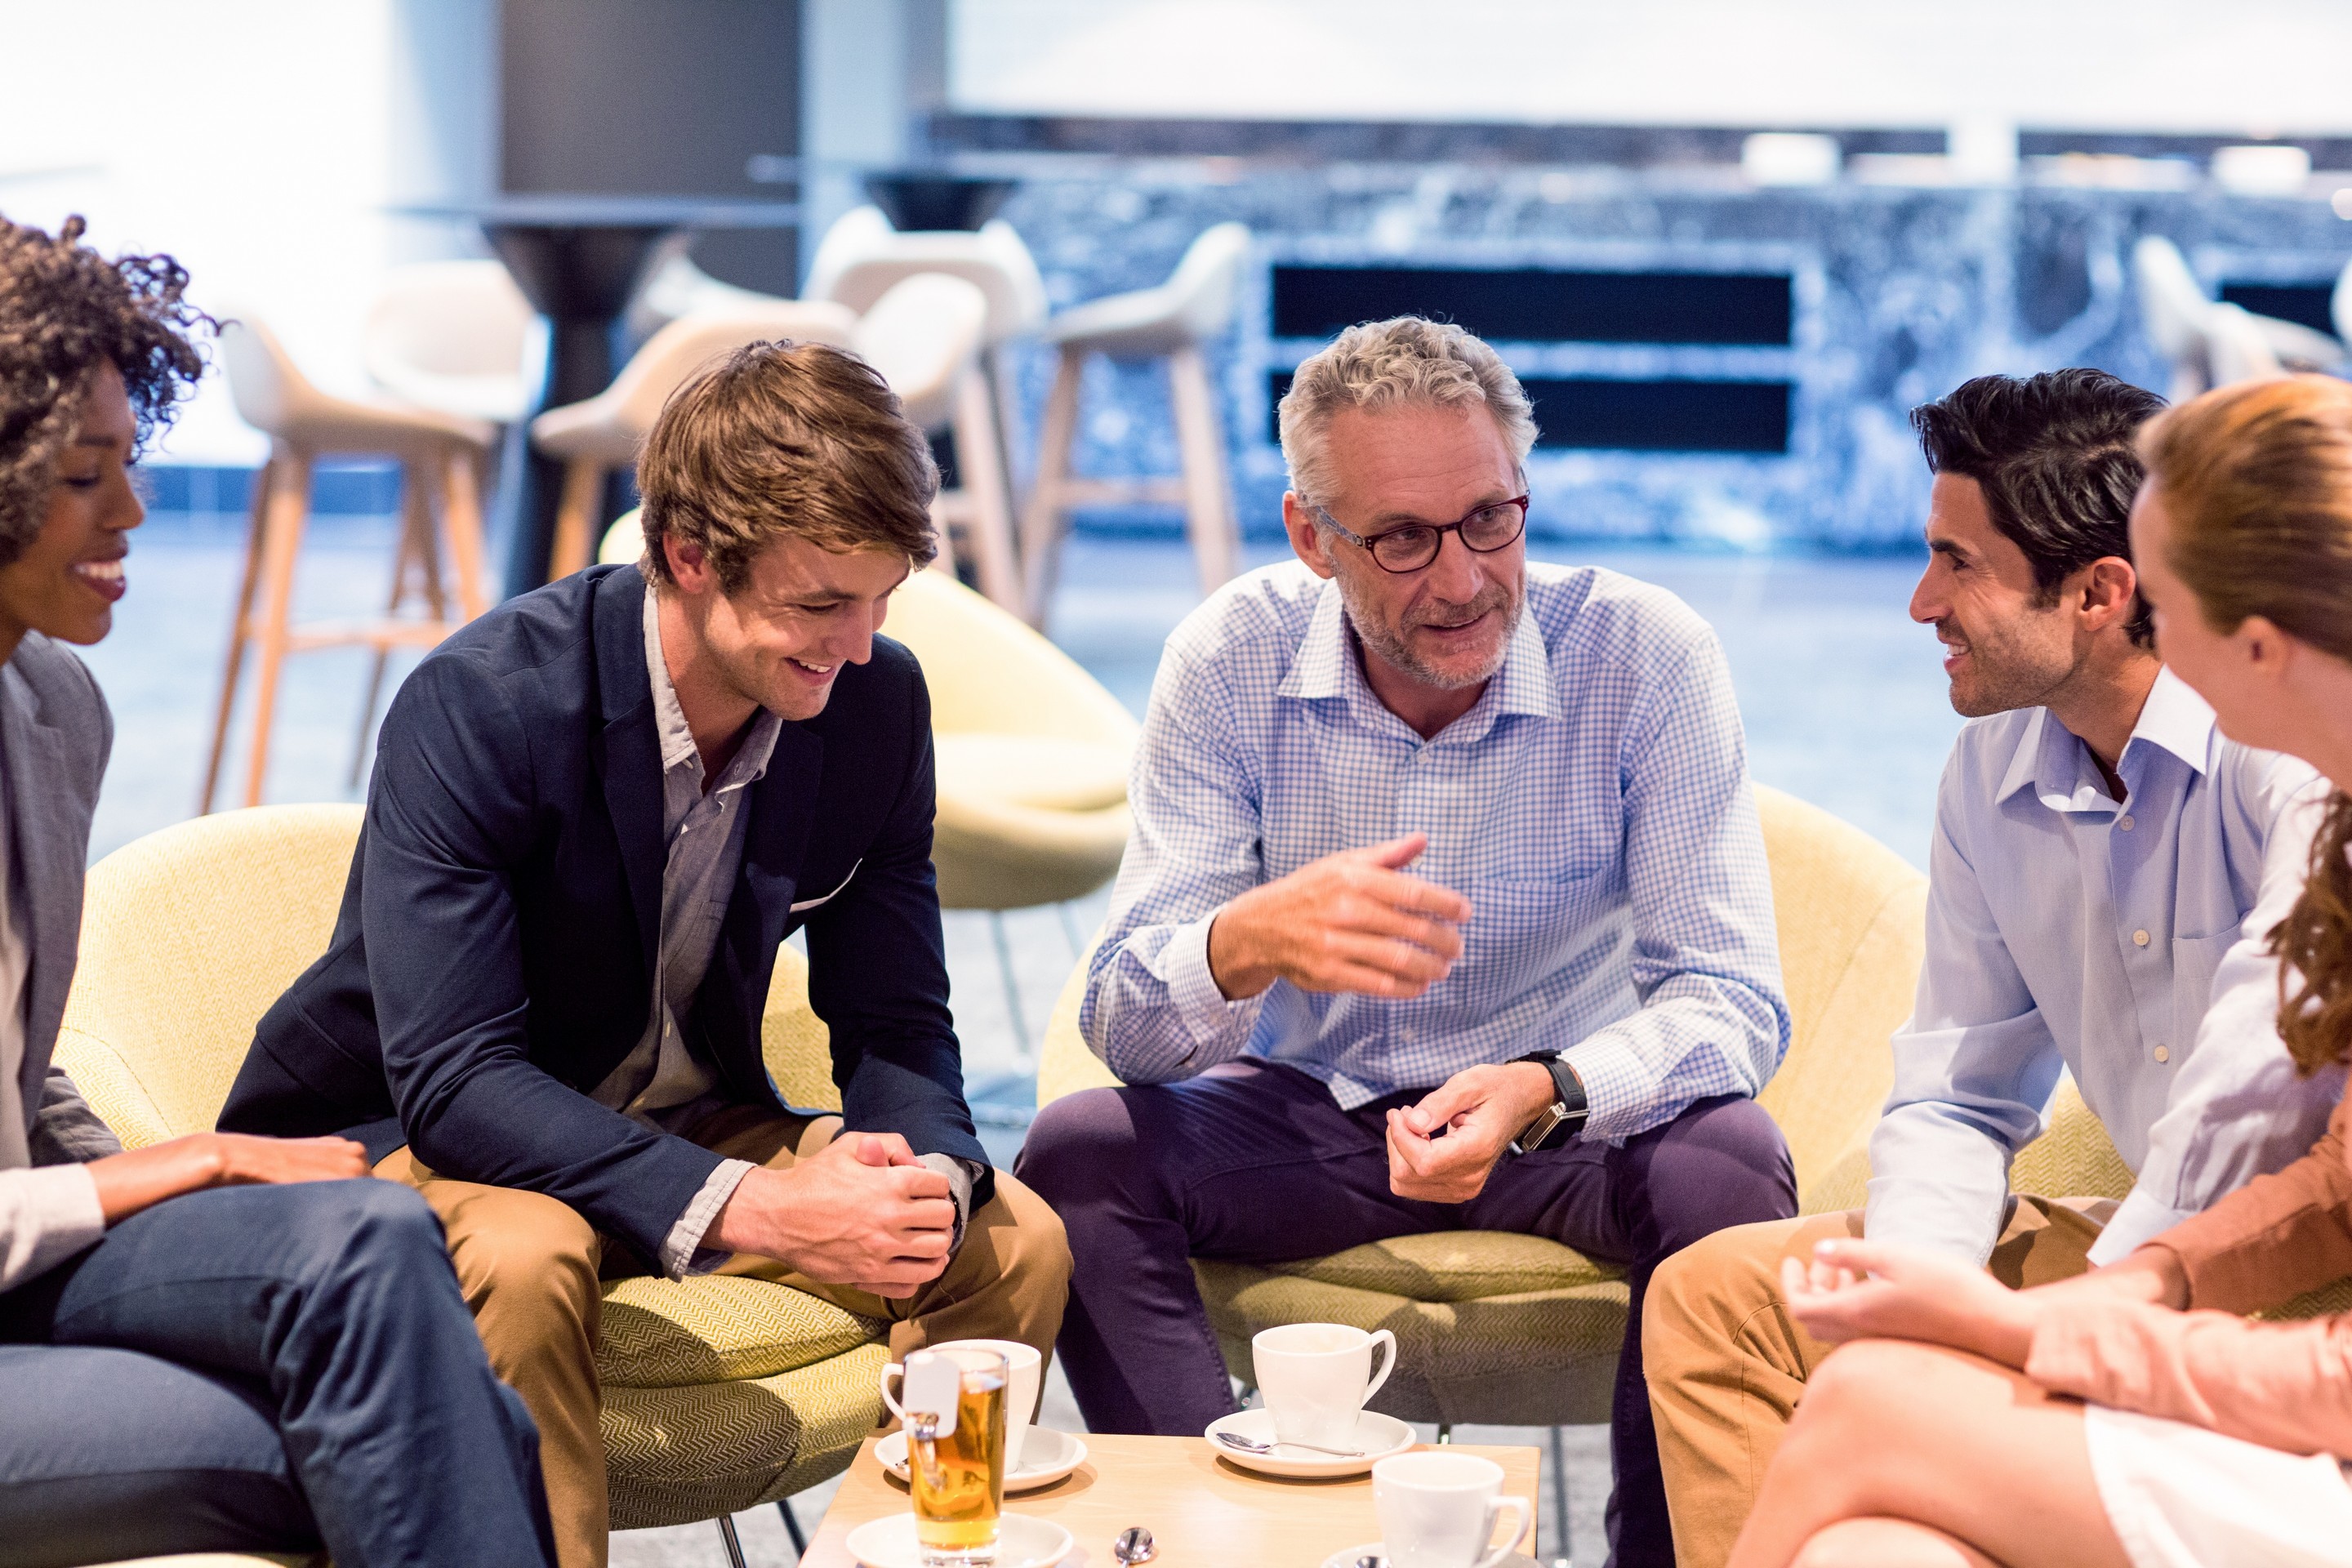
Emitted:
<point x="1012" y="983"/>
<point x="792" y="1528"/>
<point x="1446" y="1431"/>
<point x="1561" y="1550"/>
<point x="734" y="1546"/>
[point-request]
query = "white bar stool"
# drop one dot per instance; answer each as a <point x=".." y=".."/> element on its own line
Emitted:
<point x="440" y="457"/>
<point x="602" y="434"/>
<point x="457" y="336"/>
<point x="924" y="336"/>
<point x="2212" y="343"/>
<point x="1170" y="322"/>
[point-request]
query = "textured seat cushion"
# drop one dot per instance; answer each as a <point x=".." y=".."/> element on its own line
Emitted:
<point x="677" y="1456"/>
<point x="667" y="1333"/>
<point x="1454" y="1265"/>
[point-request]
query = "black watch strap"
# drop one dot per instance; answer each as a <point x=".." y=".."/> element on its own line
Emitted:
<point x="1567" y="1113"/>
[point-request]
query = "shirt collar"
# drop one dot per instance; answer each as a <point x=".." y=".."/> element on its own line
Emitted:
<point x="677" y="748"/>
<point x="2050" y="756"/>
<point x="1325" y="665"/>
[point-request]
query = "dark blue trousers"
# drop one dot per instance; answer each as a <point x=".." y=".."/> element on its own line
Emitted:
<point x="1256" y="1164"/>
<point x="265" y="1368"/>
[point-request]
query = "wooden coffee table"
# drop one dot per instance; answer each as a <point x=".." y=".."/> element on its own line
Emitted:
<point x="1204" y="1512"/>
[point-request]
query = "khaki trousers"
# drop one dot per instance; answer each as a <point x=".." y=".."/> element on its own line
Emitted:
<point x="530" y="1268"/>
<point x="1727" y="1365"/>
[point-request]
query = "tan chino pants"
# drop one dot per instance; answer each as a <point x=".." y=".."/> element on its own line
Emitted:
<point x="530" y="1268"/>
<point x="1727" y="1364"/>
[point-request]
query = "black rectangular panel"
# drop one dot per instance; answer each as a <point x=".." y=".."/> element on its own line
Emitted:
<point x="1594" y="413"/>
<point x="2303" y="302"/>
<point x="1536" y="304"/>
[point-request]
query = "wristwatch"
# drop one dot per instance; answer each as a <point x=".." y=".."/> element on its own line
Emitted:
<point x="1561" y="1120"/>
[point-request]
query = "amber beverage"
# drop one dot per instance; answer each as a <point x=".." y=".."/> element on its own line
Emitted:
<point x="958" y="1479"/>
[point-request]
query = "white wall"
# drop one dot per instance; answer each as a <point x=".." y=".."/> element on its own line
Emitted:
<point x="2248" y="66"/>
<point x="249" y="138"/>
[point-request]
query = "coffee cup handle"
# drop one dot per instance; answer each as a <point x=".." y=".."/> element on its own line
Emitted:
<point x="1388" y="1363"/>
<point x="1519" y="1508"/>
<point x="889" y="1372"/>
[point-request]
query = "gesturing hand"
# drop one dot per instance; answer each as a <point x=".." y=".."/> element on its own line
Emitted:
<point x="862" y="1212"/>
<point x="1480" y="1109"/>
<point x="1866" y="1290"/>
<point x="1351" y="921"/>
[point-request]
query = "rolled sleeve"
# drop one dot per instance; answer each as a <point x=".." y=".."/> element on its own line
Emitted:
<point x="683" y="1254"/>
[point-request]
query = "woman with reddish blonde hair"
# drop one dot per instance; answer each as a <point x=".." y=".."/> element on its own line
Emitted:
<point x="2134" y="1418"/>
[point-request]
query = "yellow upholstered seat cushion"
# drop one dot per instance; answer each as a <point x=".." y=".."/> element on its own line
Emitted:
<point x="1047" y="772"/>
<point x="1452" y="1266"/>
<point x="668" y="1333"/>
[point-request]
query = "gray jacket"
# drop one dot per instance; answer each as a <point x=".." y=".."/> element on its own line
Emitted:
<point x="55" y="734"/>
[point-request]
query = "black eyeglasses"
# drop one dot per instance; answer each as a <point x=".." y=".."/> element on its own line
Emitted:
<point x="1490" y="528"/>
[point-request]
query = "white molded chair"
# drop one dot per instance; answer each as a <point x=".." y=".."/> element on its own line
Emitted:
<point x="457" y="336"/>
<point x="862" y="256"/>
<point x="1170" y="322"/>
<point x="2212" y="344"/>
<point x="602" y="433"/>
<point x="924" y="337"/>
<point x="442" y="457"/>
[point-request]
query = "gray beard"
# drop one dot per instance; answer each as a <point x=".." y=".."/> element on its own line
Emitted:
<point x="1394" y="649"/>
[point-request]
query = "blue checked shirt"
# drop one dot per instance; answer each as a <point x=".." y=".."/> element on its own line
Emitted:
<point x="2127" y="944"/>
<point x="1593" y="807"/>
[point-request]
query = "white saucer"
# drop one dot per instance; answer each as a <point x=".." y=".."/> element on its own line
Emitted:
<point x="1025" y="1541"/>
<point x="1377" y="1436"/>
<point x="1346" y="1559"/>
<point x="1047" y="1456"/>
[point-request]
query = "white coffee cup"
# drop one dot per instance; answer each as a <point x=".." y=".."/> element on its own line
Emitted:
<point x="1316" y="1378"/>
<point x="1439" y="1510"/>
<point x="1024" y="1381"/>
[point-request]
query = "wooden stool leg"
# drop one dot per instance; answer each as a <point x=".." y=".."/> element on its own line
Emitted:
<point x="407" y="555"/>
<point x="1041" y="524"/>
<point x="239" y="628"/>
<point x="575" y="518"/>
<point x="289" y="511"/>
<point x="1004" y="395"/>
<point x="461" y="525"/>
<point x="991" y="523"/>
<point x="1208" y="493"/>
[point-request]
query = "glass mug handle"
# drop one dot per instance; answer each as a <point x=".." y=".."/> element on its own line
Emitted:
<point x="1388" y="1363"/>
<point x="1517" y="1507"/>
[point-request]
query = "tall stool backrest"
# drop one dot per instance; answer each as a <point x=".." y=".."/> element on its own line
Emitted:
<point x="861" y="257"/>
<point x="269" y="389"/>
<point x="687" y="344"/>
<point x="2172" y="304"/>
<point x="921" y="336"/>
<point x="456" y="335"/>
<point x="1206" y="284"/>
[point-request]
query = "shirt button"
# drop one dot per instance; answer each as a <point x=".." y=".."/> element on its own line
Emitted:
<point x="2125" y="822"/>
<point x="2139" y="939"/>
<point x="2162" y="1056"/>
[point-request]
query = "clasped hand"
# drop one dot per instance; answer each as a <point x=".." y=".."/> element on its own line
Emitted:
<point x="1442" y="1150"/>
<point x="862" y="1212"/>
<point x="1856" y="1290"/>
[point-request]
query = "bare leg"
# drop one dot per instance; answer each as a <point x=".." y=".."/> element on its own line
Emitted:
<point x="1887" y="1543"/>
<point x="1894" y="1431"/>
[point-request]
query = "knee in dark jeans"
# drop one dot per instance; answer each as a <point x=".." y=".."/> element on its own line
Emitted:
<point x="372" y="1224"/>
<point x="1078" y="1147"/>
<point x="1722" y="1162"/>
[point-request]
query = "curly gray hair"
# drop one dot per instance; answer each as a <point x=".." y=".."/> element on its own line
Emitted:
<point x="1402" y="362"/>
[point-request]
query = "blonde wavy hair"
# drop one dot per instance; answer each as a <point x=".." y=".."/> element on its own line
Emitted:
<point x="2256" y="479"/>
<point x="1403" y="362"/>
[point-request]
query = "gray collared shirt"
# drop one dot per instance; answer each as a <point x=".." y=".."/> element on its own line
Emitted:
<point x="663" y="1083"/>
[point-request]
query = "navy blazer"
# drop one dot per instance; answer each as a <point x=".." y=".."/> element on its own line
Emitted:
<point x="493" y="960"/>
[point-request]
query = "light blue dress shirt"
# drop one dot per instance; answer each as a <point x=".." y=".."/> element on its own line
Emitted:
<point x="1593" y="807"/>
<point x="2125" y="944"/>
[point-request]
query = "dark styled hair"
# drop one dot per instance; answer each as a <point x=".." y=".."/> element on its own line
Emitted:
<point x="785" y="437"/>
<point x="2055" y="456"/>
<point x="64" y="310"/>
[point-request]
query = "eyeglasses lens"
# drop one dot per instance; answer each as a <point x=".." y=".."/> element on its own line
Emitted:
<point x="1405" y="548"/>
<point x="1493" y="528"/>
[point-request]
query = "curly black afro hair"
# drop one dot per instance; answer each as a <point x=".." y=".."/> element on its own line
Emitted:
<point x="63" y="310"/>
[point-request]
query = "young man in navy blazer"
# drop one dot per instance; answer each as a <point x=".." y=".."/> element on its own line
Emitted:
<point x="596" y="813"/>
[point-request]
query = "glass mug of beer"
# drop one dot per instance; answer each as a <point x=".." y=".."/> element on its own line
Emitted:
<point x="952" y="1402"/>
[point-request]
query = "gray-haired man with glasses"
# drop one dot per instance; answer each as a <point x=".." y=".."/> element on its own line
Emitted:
<point x="1446" y="909"/>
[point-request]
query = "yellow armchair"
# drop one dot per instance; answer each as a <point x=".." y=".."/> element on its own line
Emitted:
<point x="719" y="1393"/>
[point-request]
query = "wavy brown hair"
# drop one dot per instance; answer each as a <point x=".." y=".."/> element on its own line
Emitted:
<point x="2256" y="479"/>
<point x="63" y="310"/>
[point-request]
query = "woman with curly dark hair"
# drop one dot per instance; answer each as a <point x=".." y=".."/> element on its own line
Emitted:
<point x="218" y="1343"/>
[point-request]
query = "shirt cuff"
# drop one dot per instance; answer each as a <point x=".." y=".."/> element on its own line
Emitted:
<point x="961" y="1178"/>
<point x="683" y="1254"/>
<point x="1183" y="968"/>
<point x="2139" y="1219"/>
<point x="57" y="1213"/>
